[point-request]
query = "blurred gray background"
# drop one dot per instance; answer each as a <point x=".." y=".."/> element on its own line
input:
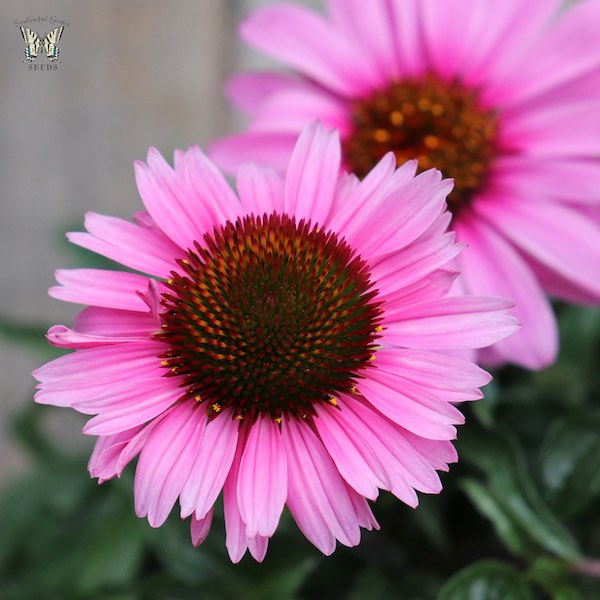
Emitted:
<point x="134" y="73"/>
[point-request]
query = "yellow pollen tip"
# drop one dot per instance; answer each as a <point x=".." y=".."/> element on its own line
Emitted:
<point x="353" y="389"/>
<point x="170" y="281"/>
<point x="278" y="420"/>
<point x="216" y="407"/>
<point x="185" y="262"/>
<point x="164" y="363"/>
<point x="239" y="417"/>
<point x="372" y="357"/>
<point x="333" y="400"/>
<point x="379" y="328"/>
<point x="197" y="398"/>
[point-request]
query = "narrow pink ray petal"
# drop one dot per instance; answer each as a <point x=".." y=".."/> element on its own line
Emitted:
<point x="200" y="528"/>
<point x="128" y="405"/>
<point x="312" y="175"/>
<point x="103" y="461"/>
<point x="136" y="247"/>
<point x="438" y="453"/>
<point x="290" y="110"/>
<point x="560" y="180"/>
<point x="559" y="238"/>
<point x="304" y="40"/>
<point x="561" y="54"/>
<point x="166" y="460"/>
<point x="372" y="31"/>
<point x="215" y="200"/>
<point x="355" y="461"/>
<point x="108" y="322"/>
<point x="262" y="479"/>
<point x="248" y="91"/>
<point x="100" y="366"/>
<point x="260" y="189"/>
<point x="235" y="529"/>
<point x="492" y="266"/>
<point x="364" y="515"/>
<point x="450" y="323"/>
<point x="63" y="337"/>
<point x="414" y="262"/>
<point x="171" y="202"/>
<point x="211" y="464"/>
<point x="432" y="287"/>
<point x="402" y="216"/>
<point x="429" y="418"/>
<point x="109" y="289"/>
<point x="317" y="496"/>
<point x="265" y="148"/>
<point x="434" y="371"/>
<point x="353" y="196"/>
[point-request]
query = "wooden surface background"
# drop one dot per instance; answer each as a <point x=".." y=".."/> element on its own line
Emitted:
<point x="134" y="73"/>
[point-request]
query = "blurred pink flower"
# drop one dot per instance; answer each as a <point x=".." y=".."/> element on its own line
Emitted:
<point x="280" y="349"/>
<point x="501" y="96"/>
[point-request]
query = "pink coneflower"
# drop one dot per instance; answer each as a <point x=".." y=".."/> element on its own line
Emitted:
<point x="504" y="97"/>
<point x="280" y="347"/>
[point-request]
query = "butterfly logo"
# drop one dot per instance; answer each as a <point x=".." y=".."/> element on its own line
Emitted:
<point x="33" y="41"/>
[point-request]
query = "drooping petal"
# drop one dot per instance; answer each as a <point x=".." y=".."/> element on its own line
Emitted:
<point x="210" y="466"/>
<point x="165" y="462"/>
<point x="491" y="265"/>
<point x="136" y="247"/>
<point x="317" y="496"/>
<point x="262" y="479"/>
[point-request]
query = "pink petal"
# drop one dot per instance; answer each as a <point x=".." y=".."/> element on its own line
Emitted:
<point x="413" y="262"/>
<point x="103" y="461"/>
<point x="108" y="322"/>
<point x="400" y="217"/>
<point x="109" y="289"/>
<point x="410" y="406"/>
<point x="235" y="529"/>
<point x="434" y="371"/>
<point x="312" y="175"/>
<point x="63" y="337"/>
<point x="211" y="465"/>
<point x="165" y="462"/>
<point x="491" y="265"/>
<point x="214" y="199"/>
<point x="370" y="30"/>
<point x="289" y="111"/>
<point x="262" y="479"/>
<point x="272" y="149"/>
<point x="308" y="43"/>
<point x="566" y="50"/>
<point x="260" y="189"/>
<point x="557" y="237"/>
<point x="200" y="528"/>
<point x="93" y="370"/>
<point x="248" y="91"/>
<point x="136" y="247"/>
<point x="542" y="179"/>
<point x="450" y="323"/>
<point x="128" y="405"/>
<point x="317" y="496"/>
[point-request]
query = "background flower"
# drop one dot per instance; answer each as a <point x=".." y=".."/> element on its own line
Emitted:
<point x="281" y="352"/>
<point x="503" y="100"/>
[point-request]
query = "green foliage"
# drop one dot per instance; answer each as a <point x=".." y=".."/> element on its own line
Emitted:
<point x="517" y="520"/>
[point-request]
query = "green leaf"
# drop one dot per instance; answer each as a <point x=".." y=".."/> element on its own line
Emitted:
<point x="569" y="464"/>
<point x="514" y="496"/>
<point x="488" y="504"/>
<point x="486" y="580"/>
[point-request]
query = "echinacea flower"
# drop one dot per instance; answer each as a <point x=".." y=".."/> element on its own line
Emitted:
<point x="504" y="97"/>
<point x="279" y="347"/>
